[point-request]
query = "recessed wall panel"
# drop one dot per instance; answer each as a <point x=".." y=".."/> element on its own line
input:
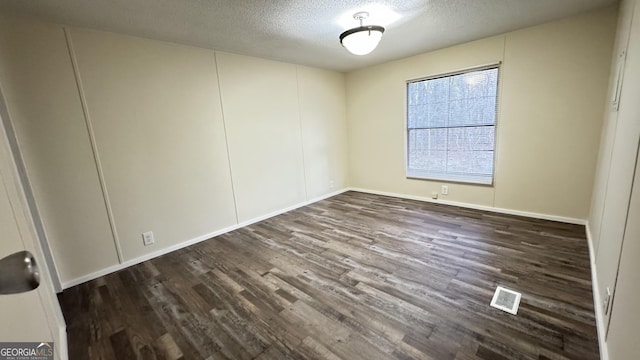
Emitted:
<point x="155" y="110"/>
<point x="39" y="87"/>
<point x="260" y="101"/>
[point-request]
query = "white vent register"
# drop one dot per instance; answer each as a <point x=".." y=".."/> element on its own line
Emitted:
<point x="506" y="300"/>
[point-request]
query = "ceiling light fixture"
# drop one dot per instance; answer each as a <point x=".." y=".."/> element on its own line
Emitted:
<point x="361" y="40"/>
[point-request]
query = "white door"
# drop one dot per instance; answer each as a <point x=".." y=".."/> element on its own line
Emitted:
<point x="32" y="316"/>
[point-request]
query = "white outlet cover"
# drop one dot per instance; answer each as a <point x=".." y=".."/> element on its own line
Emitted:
<point x="147" y="238"/>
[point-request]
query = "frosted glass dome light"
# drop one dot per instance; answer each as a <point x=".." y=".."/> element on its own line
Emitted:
<point x="363" y="39"/>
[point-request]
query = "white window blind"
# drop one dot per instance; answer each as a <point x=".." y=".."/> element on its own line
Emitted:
<point x="451" y="126"/>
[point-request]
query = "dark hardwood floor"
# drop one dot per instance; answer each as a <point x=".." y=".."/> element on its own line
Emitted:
<point x="356" y="276"/>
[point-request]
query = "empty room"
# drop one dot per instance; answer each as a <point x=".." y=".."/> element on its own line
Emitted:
<point x="421" y="179"/>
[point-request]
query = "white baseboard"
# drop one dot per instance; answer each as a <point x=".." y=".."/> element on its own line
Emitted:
<point x="597" y="300"/>
<point x="114" y="268"/>
<point x="477" y="207"/>
<point x="169" y="249"/>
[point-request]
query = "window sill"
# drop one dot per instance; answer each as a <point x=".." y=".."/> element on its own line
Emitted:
<point x="482" y="181"/>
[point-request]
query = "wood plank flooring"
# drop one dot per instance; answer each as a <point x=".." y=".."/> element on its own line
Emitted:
<point x="356" y="276"/>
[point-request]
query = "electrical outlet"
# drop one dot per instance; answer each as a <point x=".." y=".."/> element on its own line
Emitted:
<point x="445" y="190"/>
<point x="434" y="195"/>
<point x="147" y="238"/>
<point x="331" y="184"/>
<point x="607" y="301"/>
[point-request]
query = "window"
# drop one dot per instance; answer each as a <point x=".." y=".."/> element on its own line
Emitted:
<point x="451" y="126"/>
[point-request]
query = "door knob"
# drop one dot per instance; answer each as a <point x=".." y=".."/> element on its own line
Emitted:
<point x="18" y="273"/>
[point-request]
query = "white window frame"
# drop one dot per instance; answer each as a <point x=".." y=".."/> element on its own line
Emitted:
<point x="452" y="178"/>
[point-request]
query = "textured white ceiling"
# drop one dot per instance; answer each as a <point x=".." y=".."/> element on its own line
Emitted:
<point x="303" y="31"/>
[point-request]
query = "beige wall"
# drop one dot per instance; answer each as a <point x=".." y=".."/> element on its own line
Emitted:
<point x="622" y="341"/>
<point x="554" y="87"/>
<point x="553" y="84"/>
<point x="613" y="222"/>
<point x="376" y="112"/>
<point x="620" y="143"/>
<point x="263" y="128"/>
<point x="322" y="111"/>
<point x="186" y="147"/>
<point x="37" y="81"/>
<point x="156" y="114"/>
<point x="609" y="129"/>
<point x="288" y="145"/>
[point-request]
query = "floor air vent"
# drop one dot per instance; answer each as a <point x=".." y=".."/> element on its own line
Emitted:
<point x="506" y="300"/>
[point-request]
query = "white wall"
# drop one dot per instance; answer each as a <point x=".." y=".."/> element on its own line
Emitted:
<point x="186" y="147"/>
<point x="553" y="84"/>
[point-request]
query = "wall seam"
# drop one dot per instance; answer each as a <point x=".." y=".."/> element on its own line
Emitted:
<point x="226" y="138"/>
<point x="348" y="129"/>
<point x="304" y="165"/>
<point x="496" y="154"/>
<point x="624" y="235"/>
<point x="94" y="146"/>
